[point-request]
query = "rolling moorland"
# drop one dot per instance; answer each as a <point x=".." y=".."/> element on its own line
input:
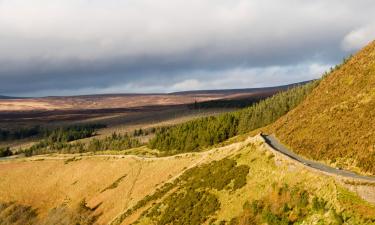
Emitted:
<point x="213" y="169"/>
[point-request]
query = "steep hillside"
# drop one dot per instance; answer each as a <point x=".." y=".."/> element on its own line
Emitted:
<point x="336" y="121"/>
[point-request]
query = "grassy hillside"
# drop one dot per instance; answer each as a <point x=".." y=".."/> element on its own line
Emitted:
<point x="106" y="184"/>
<point x="238" y="184"/>
<point x="250" y="188"/>
<point x="57" y="186"/>
<point x="336" y="122"/>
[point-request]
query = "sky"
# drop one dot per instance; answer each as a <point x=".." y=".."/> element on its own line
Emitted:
<point x="73" y="47"/>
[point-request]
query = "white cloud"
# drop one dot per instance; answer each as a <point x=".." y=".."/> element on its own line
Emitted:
<point x="190" y="84"/>
<point x="358" y="38"/>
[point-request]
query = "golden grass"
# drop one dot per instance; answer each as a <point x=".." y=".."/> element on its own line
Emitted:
<point x="336" y="122"/>
<point x="267" y="171"/>
<point x="45" y="182"/>
<point x="50" y="183"/>
<point x="264" y="173"/>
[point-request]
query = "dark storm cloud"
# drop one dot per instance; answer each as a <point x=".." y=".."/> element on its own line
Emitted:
<point x="79" y="46"/>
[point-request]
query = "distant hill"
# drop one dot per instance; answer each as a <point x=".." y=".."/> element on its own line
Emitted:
<point x="239" y="91"/>
<point x="8" y="97"/>
<point x="111" y="101"/>
<point x="336" y="121"/>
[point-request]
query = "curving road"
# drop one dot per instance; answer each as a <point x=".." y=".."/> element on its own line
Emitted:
<point x="275" y="144"/>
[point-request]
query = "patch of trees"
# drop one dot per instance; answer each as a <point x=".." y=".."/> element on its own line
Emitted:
<point x="226" y="103"/>
<point x="5" y="151"/>
<point x="144" y="132"/>
<point x="16" y="134"/>
<point x="72" y="133"/>
<point x="117" y="142"/>
<point x="197" y="134"/>
<point x="61" y="134"/>
<point x="58" y="139"/>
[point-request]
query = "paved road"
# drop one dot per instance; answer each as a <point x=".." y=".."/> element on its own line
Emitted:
<point x="275" y="143"/>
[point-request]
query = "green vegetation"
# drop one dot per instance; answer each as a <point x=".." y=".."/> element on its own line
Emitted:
<point x="61" y="134"/>
<point x="190" y="207"/>
<point x="265" y="193"/>
<point x="9" y="135"/>
<point x="116" y="142"/>
<point x="283" y="205"/>
<point x="204" y="132"/>
<point x="194" y="134"/>
<point x="217" y="175"/>
<point x="228" y="103"/>
<point x="286" y="205"/>
<point x="193" y="201"/>
<point x="336" y="123"/>
<point x="159" y="193"/>
<point x="58" y="140"/>
<point x="4" y="152"/>
<point x="72" y="133"/>
<point x="144" y="132"/>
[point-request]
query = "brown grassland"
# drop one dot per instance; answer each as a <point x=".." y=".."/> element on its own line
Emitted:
<point x="48" y="182"/>
<point x="107" y="186"/>
<point x="336" y="122"/>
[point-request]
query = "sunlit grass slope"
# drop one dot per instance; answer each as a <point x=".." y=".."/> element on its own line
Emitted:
<point x="336" y="121"/>
<point x="262" y="191"/>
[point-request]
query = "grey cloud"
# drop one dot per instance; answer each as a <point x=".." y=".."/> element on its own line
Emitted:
<point x="78" y="46"/>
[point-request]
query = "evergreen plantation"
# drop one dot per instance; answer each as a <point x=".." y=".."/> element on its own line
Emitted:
<point x="116" y="142"/>
<point x="204" y="132"/>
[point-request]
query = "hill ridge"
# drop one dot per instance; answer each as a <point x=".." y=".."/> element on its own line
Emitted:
<point x="335" y="122"/>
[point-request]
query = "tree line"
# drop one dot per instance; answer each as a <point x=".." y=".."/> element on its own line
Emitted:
<point x="21" y="133"/>
<point x="204" y="132"/>
<point x="59" y="138"/>
<point x="68" y="133"/>
<point x="116" y="142"/>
